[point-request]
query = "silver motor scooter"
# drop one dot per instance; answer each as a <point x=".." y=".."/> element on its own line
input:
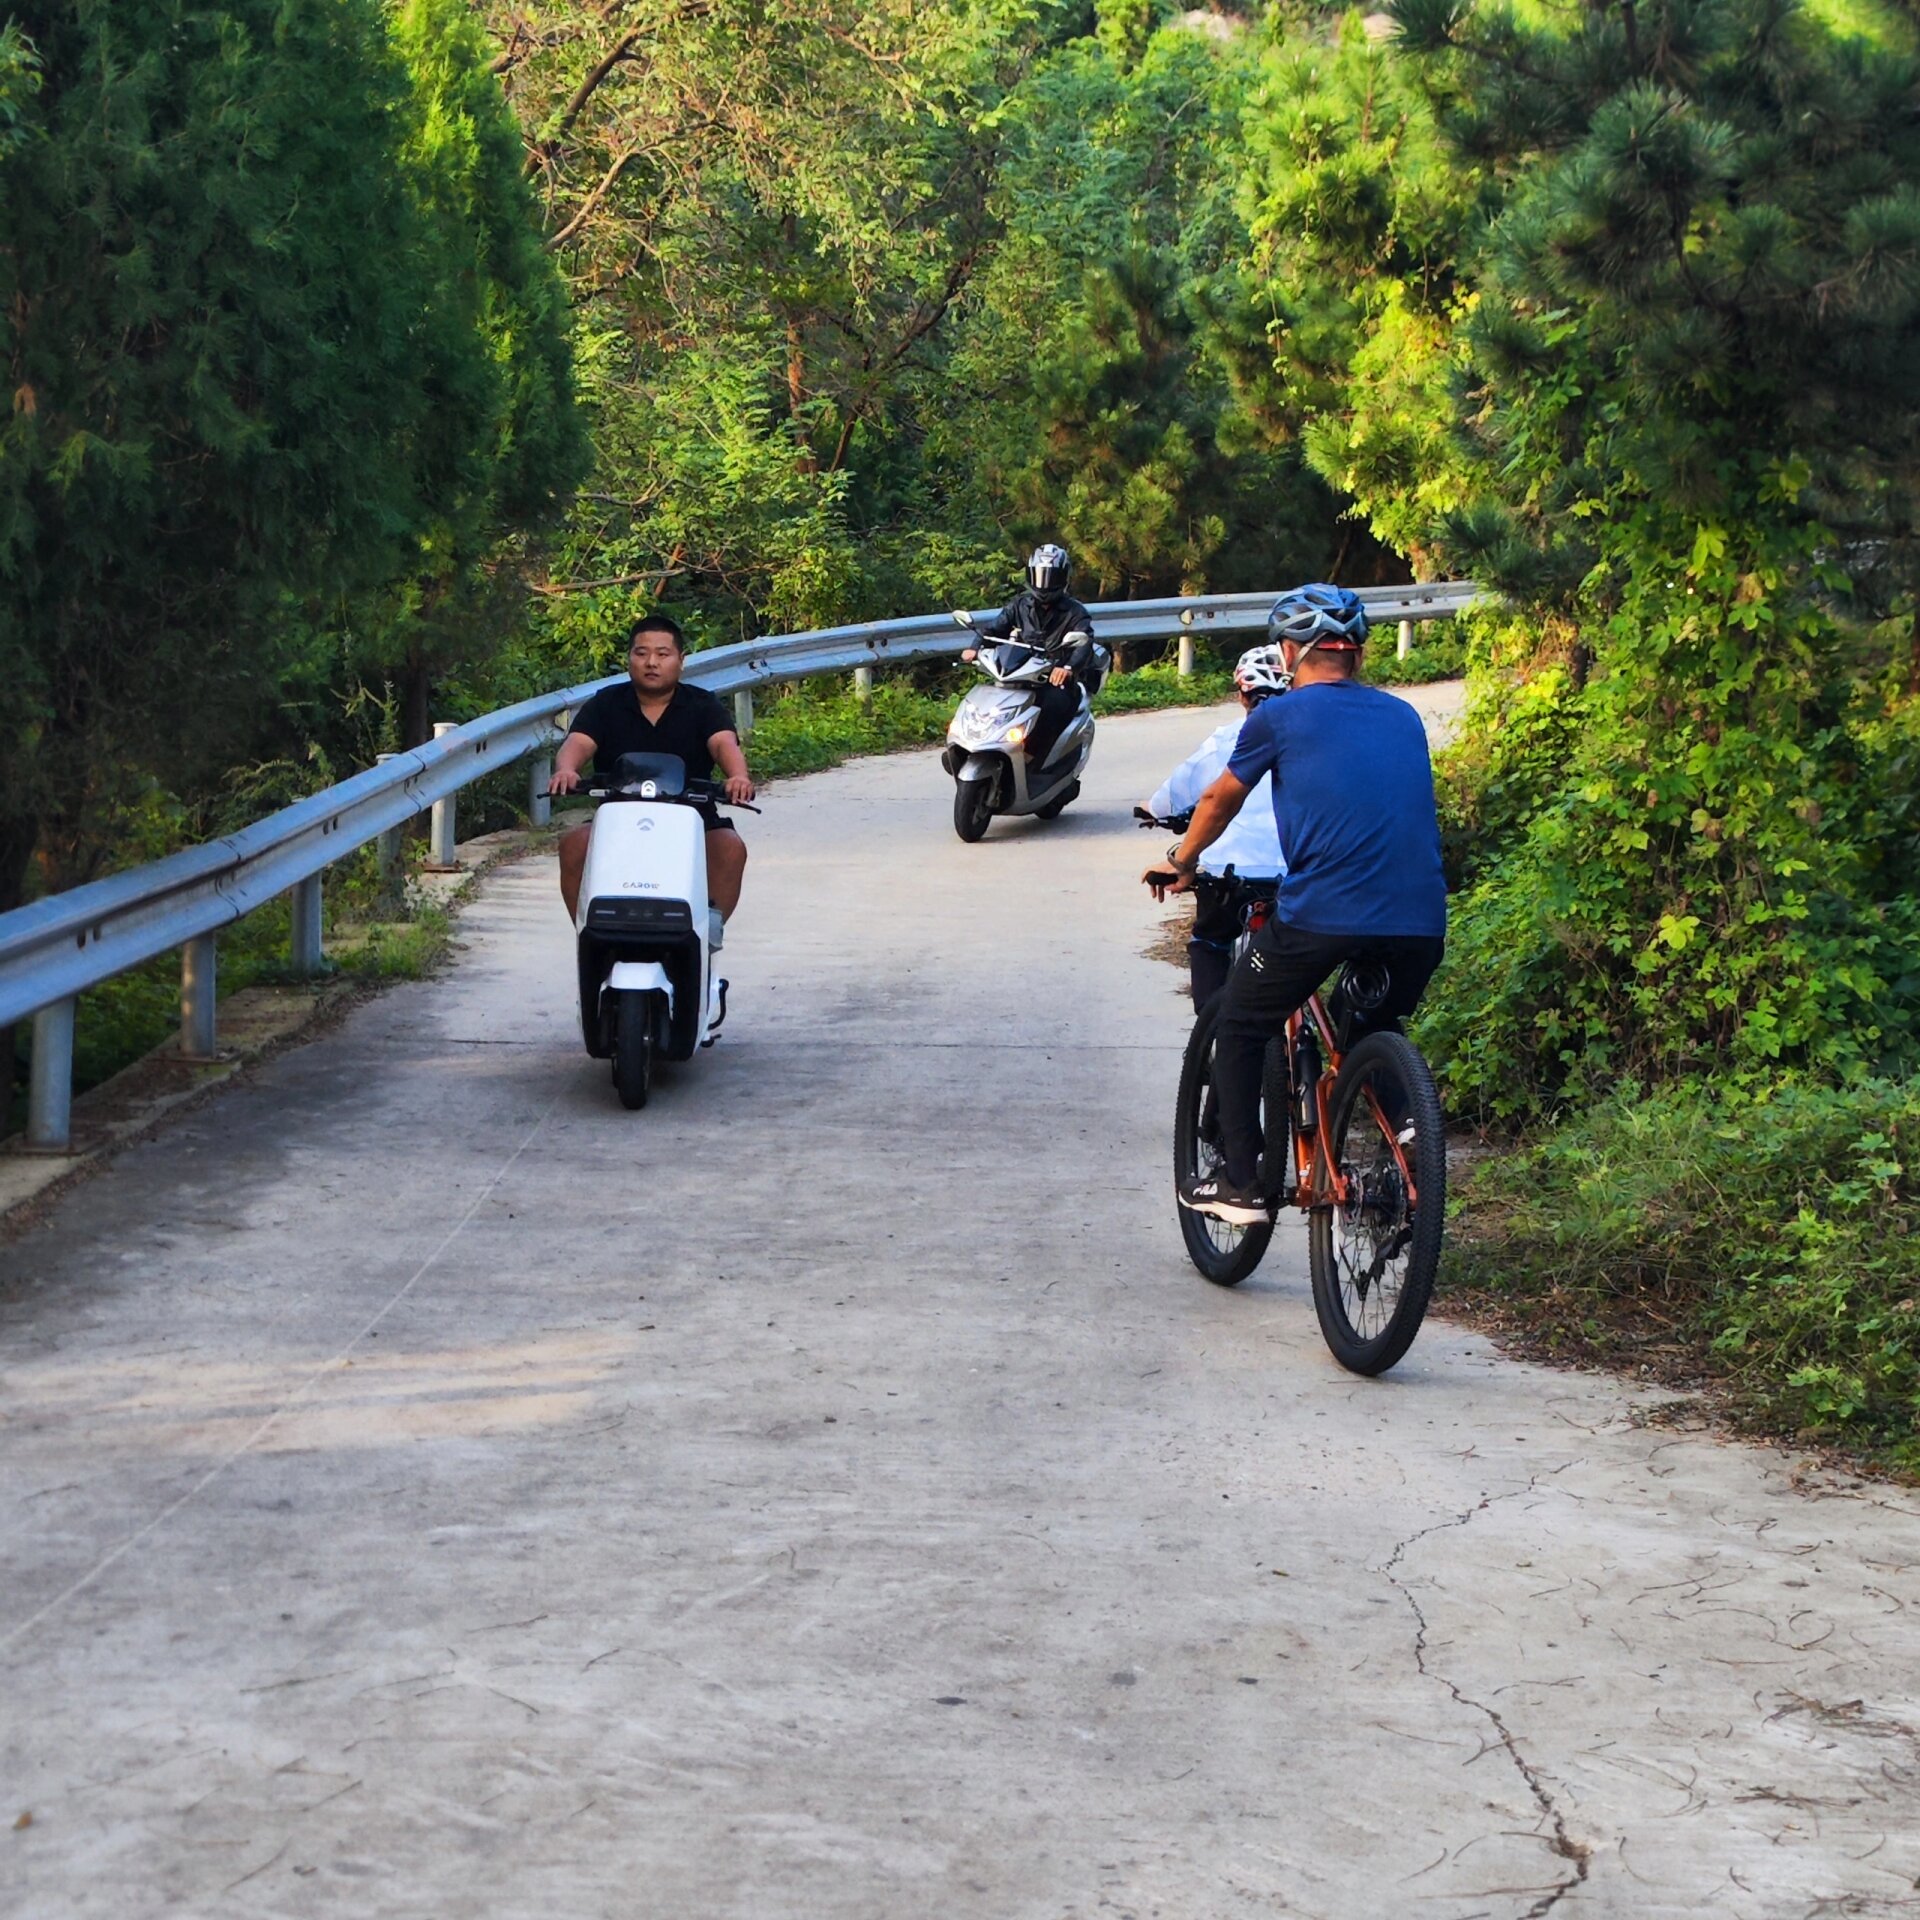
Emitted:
<point x="986" y="739"/>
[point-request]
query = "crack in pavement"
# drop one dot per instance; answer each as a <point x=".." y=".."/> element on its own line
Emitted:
<point x="1577" y="1855"/>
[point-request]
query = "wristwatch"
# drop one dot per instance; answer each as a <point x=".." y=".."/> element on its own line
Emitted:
<point x="1179" y="865"/>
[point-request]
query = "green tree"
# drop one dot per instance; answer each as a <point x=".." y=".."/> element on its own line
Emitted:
<point x="513" y="444"/>
<point x="767" y="215"/>
<point x="1098" y="379"/>
<point x="241" y="388"/>
<point x="1358" y="219"/>
<point x="1690" y="395"/>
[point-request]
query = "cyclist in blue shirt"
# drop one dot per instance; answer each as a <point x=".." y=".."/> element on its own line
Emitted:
<point x="1353" y="802"/>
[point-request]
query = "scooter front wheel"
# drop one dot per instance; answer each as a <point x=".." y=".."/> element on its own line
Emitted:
<point x="972" y="808"/>
<point x="633" y="1050"/>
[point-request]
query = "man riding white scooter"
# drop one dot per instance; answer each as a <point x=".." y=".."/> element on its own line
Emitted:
<point x="656" y="713"/>
<point x="1249" y="850"/>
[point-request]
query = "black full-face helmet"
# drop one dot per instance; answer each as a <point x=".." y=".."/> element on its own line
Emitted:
<point x="1049" y="570"/>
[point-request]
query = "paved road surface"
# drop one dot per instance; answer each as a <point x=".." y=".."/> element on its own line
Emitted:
<point x="428" y="1490"/>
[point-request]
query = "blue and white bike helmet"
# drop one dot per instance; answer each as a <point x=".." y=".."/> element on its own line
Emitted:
<point x="1261" y="671"/>
<point x="1319" y="616"/>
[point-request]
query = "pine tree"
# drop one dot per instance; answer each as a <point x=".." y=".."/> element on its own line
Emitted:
<point x="1692" y="402"/>
<point x="242" y="383"/>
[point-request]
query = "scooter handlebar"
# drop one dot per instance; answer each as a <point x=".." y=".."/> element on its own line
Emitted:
<point x="696" y="793"/>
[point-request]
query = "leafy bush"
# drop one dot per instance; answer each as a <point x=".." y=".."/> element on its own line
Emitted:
<point x="807" y="728"/>
<point x="1439" y="653"/>
<point x="1779" y="1233"/>
<point x="1160" y="685"/>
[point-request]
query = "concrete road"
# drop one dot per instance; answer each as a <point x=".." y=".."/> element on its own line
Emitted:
<point x="426" y="1489"/>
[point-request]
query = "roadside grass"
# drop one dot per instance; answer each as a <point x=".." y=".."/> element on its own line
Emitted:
<point x="1767" y="1242"/>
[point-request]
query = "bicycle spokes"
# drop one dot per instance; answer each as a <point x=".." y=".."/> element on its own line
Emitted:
<point x="1373" y="1229"/>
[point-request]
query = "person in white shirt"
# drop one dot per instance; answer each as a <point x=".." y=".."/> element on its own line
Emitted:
<point x="1251" y="844"/>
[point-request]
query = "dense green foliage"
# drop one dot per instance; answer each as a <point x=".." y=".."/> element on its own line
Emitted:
<point x="852" y="344"/>
<point x="1691" y="357"/>
<point x="1781" y="1235"/>
<point x="275" y="346"/>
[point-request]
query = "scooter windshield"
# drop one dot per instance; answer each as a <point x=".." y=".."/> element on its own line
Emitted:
<point x="666" y="772"/>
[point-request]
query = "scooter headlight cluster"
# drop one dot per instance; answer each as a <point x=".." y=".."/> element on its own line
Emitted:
<point x="971" y="725"/>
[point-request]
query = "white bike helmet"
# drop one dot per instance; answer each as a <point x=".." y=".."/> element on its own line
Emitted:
<point x="1261" y="671"/>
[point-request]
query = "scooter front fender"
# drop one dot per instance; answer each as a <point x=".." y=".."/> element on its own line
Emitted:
<point x="638" y="976"/>
<point x="981" y="766"/>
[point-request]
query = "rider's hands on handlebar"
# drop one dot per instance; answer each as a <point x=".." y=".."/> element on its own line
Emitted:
<point x="969" y="653"/>
<point x="1174" y="877"/>
<point x="1060" y="676"/>
<point x="564" y="780"/>
<point x="739" y="789"/>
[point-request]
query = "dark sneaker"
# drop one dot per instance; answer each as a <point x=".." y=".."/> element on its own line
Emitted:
<point x="1218" y="1196"/>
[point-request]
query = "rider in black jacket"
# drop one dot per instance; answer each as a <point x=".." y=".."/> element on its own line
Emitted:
<point x="1044" y="614"/>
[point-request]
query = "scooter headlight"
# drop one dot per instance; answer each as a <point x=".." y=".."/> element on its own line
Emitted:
<point x="1016" y="734"/>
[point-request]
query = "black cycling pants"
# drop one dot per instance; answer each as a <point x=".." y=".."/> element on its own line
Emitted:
<point x="1058" y="705"/>
<point x="1280" y="968"/>
<point x="1219" y="908"/>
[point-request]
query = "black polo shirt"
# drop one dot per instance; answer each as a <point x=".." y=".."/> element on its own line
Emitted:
<point x="612" y="720"/>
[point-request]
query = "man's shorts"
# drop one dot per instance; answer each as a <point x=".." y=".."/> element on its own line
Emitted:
<point x="712" y="818"/>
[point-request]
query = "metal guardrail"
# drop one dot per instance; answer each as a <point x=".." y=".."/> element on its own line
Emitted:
<point x="56" y="948"/>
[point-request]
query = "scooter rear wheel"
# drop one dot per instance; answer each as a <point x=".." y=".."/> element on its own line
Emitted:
<point x="633" y="1050"/>
<point x="972" y="808"/>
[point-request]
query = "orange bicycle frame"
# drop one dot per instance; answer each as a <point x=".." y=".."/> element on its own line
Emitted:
<point x="1317" y="1181"/>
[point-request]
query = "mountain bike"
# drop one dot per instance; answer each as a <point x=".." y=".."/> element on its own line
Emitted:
<point x="1352" y="1134"/>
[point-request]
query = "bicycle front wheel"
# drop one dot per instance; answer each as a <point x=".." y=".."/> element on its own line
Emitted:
<point x="1374" y="1257"/>
<point x="1223" y="1252"/>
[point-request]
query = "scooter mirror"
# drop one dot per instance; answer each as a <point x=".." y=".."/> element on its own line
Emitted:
<point x="962" y="618"/>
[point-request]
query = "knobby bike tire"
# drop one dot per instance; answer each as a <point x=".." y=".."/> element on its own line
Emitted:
<point x="1359" y="1148"/>
<point x="972" y="808"/>
<point x="1224" y="1254"/>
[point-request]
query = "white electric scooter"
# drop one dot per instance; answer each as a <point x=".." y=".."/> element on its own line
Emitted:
<point x="646" y="935"/>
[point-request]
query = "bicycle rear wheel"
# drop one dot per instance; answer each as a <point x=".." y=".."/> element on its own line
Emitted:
<point x="1374" y="1259"/>
<point x="1223" y="1252"/>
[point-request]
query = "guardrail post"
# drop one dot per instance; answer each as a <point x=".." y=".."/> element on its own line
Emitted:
<point x="440" y="841"/>
<point x="1406" y="638"/>
<point x="391" y="853"/>
<point x="863" y="683"/>
<point x="539" y="800"/>
<point x="743" y="712"/>
<point x="199" y="969"/>
<point x="1186" y="656"/>
<point x="50" y="1085"/>
<point x="309" y="955"/>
